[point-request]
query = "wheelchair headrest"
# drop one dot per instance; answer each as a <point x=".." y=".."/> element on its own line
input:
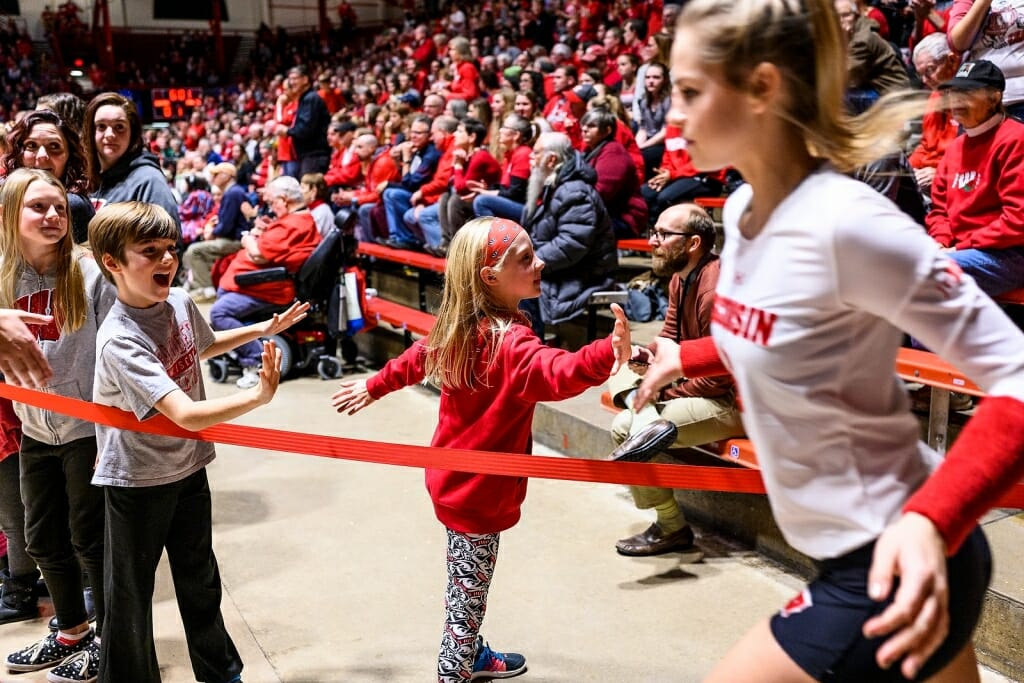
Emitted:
<point x="320" y="271"/>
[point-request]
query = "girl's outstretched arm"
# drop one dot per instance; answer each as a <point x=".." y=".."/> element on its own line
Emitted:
<point x="352" y="396"/>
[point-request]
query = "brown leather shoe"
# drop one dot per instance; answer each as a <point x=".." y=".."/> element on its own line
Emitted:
<point x="646" y="443"/>
<point x="654" y="541"/>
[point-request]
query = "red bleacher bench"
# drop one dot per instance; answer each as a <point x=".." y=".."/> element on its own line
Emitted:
<point x="635" y="244"/>
<point x="710" y="203"/>
<point x="1014" y="297"/>
<point x="416" y="259"/>
<point x="403" y="317"/>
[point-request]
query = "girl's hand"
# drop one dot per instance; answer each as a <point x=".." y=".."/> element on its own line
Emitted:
<point x="270" y="372"/>
<point x="620" y="338"/>
<point x="917" y="621"/>
<point x="282" y="321"/>
<point x="664" y="369"/>
<point x="352" y="396"/>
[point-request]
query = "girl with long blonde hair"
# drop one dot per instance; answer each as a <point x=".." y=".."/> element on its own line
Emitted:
<point x="820" y="277"/>
<point x="42" y="271"/>
<point x="492" y="370"/>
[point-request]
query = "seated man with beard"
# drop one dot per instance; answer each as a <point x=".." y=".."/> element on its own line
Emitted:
<point x="689" y="412"/>
<point x="571" y="230"/>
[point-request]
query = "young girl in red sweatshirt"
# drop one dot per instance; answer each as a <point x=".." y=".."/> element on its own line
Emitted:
<point x="492" y="370"/>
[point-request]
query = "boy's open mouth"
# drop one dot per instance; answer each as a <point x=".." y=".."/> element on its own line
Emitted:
<point x="163" y="279"/>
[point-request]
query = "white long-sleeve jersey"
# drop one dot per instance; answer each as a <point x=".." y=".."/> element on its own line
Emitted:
<point x="808" y="319"/>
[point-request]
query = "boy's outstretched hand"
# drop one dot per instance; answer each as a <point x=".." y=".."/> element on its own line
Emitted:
<point x="270" y="371"/>
<point x="284" y="320"/>
<point x="620" y="338"/>
<point x="352" y="397"/>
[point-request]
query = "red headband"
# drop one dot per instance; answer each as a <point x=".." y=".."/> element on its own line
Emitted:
<point x="499" y="238"/>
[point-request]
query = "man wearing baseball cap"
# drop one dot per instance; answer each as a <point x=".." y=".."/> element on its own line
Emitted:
<point x="978" y="191"/>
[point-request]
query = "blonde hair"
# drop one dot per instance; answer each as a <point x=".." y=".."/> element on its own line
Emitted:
<point x="117" y="225"/>
<point x="70" y="306"/>
<point x="803" y="40"/>
<point x="471" y="322"/>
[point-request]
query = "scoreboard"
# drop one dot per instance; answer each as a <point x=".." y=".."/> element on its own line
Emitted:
<point x="171" y="104"/>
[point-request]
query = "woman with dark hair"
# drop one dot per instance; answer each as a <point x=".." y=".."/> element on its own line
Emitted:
<point x="68" y="106"/>
<point x="119" y="168"/>
<point x="508" y="198"/>
<point x="43" y="139"/>
<point x="533" y="81"/>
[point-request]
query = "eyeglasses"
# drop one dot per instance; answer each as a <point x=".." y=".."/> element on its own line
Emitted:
<point x="660" y="235"/>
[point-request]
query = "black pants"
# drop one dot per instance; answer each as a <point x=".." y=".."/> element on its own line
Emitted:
<point x="12" y="520"/>
<point x="141" y="522"/>
<point x="677" y="191"/>
<point x="64" y="523"/>
<point x="314" y="162"/>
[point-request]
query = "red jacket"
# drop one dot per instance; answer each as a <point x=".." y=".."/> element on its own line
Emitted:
<point x="383" y="169"/>
<point x="978" y="191"/>
<point x="938" y="128"/>
<point x="286" y="242"/>
<point x="432" y="190"/>
<point x="465" y="85"/>
<point x="496" y="416"/>
<point x="342" y="174"/>
<point x="482" y="166"/>
<point x="618" y="185"/>
<point x="563" y="112"/>
<point x="677" y="160"/>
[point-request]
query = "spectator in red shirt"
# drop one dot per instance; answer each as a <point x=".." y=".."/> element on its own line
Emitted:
<point x="331" y="95"/>
<point x="935" y="63"/>
<point x="378" y="169"/>
<point x="344" y="169"/>
<point x="565" y="107"/>
<point x="509" y="197"/>
<point x="676" y="180"/>
<point x="465" y="85"/>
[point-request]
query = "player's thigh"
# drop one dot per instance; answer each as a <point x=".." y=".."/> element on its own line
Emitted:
<point x="757" y="658"/>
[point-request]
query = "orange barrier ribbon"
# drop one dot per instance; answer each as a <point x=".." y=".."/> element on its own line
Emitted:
<point x="691" y="477"/>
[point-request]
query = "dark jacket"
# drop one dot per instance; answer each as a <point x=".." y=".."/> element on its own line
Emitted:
<point x="573" y="235"/>
<point x="136" y="178"/>
<point x="230" y="219"/>
<point x="618" y="185"/>
<point x="309" y="129"/>
<point x="429" y="157"/>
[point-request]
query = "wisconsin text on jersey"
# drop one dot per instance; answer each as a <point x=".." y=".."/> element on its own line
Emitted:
<point x="744" y="321"/>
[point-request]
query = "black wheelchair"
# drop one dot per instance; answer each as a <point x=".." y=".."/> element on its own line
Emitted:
<point x="315" y="340"/>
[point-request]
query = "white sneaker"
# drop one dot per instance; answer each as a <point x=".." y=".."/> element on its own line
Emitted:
<point x="250" y="378"/>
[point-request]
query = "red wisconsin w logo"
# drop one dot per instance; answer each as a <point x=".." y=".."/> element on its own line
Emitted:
<point x="798" y="604"/>
<point x="41" y="302"/>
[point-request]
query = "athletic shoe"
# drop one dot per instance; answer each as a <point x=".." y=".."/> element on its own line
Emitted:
<point x="250" y="378"/>
<point x="491" y="664"/>
<point x="81" y="667"/>
<point x="46" y="653"/>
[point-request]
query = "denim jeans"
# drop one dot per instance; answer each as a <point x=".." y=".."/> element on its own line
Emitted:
<point x="430" y="224"/>
<point x="995" y="270"/>
<point x="493" y="205"/>
<point x="232" y="310"/>
<point x="396" y="203"/>
<point x="364" y="230"/>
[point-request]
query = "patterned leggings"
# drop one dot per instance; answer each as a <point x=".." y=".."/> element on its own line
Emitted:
<point x="471" y="559"/>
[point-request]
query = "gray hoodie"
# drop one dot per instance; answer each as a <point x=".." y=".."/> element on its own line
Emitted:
<point x="72" y="356"/>
<point x="137" y="178"/>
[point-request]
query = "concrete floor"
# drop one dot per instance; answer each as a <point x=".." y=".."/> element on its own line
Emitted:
<point x="334" y="570"/>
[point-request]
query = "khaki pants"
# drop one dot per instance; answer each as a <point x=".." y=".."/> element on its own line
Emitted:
<point x="200" y="256"/>
<point x="700" y="421"/>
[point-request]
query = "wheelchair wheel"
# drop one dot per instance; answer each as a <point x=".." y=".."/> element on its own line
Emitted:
<point x="219" y="370"/>
<point x="287" y="358"/>
<point x="329" y="367"/>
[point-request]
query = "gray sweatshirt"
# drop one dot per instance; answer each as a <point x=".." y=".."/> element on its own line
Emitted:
<point x="72" y="356"/>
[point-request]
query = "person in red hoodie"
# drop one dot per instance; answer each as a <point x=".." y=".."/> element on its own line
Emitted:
<point x="492" y="370"/>
<point x="676" y="180"/>
<point x="978" y="193"/>
<point x="286" y="241"/>
<point x="466" y="83"/>
<point x="378" y="169"/>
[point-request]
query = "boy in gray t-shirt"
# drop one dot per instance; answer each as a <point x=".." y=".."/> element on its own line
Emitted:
<point x="156" y="491"/>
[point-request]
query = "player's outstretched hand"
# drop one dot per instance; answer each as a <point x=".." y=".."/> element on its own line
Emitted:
<point x="352" y="397"/>
<point x="21" y="360"/>
<point x="270" y="371"/>
<point x="620" y="338"/>
<point x="917" y="621"/>
<point x="664" y="369"/>
<point x="282" y="321"/>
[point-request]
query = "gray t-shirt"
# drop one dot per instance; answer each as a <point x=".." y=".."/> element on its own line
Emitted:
<point x="142" y="355"/>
